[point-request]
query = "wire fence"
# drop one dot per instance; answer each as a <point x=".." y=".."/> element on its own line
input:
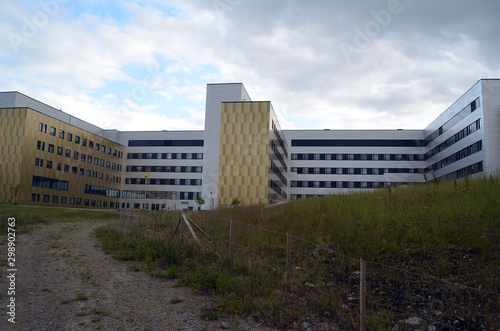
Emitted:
<point x="346" y="291"/>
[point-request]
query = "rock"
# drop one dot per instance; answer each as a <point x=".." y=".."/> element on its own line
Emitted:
<point x="224" y="325"/>
<point x="304" y="325"/>
<point x="413" y="321"/>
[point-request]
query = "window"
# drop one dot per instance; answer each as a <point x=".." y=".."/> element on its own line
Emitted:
<point x="78" y="201"/>
<point x="68" y="152"/>
<point x="109" y="150"/>
<point x="89" y="159"/>
<point x="74" y="170"/>
<point x="33" y="195"/>
<point x="77" y="139"/>
<point x="59" y="150"/>
<point x="102" y="163"/>
<point x="39" y="145"/>
<point x="97" y="146"/>
<point x="103" y="149"/>
<point x="89" y="173"/>
<point x="83" y="157"/>
<point x="55" y="199"/>
<point x="59" y="166"/>
<point x="66" y="168"/>
<point x="75" y="155"/>
<point x="41" y="162"/>
<point x="91" y="144"/>
<point x="46" y="198"/>
<point x="84" y="142"/>
<point x="40" y="128"/>
<point x="52" y="131"/>
<point x="63" y="200"/>
<point x="70" y="136"/>
<point x="108" y="164"/>
<point x="37" y="161"/>
<point x="51" y="148"/>
<point x="82" y="171"/>
<point x="49" y="164"/>
<point x="96" y="161"/>
<point x="86" y="202"/>
<point x="72" y="201"/>
<point x="114" y="152"/>
<point x="61" y="134"/>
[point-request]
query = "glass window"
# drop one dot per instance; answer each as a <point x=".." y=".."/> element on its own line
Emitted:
<point x="59" y="166"/>
<point x="49" y="164"/>
<point x="46" y="198"/>
<point x="84" y="157"/>
<point x="89" y="159"/>
<point x="91" y="144"/>
<point x="63" y="200"/>
<point x="75" y="155"/>
<point x="59" y="150"/>
<point x="74" y="170"/>
<point x="97" y="146"/>
<point x="68" y="152"/>
<point x="51" y="148"/>
<point x="78" y="201"/>
<point x="77" y="139"/>
<point x="72" y="201"/>
<point x="61" y="134"/>
<point x="84" y="142"/>
<point x="55" y="199"/>
<point x="52" y="131"/>
<point x="40" y="128"/>
<point x="96" y="161"/>
<point x="70" y="137"/>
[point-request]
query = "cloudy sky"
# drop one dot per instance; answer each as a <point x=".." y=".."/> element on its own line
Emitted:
<point x="144" y="65"/>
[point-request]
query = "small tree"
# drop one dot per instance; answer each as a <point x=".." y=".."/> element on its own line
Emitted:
<point x="200" y="201"/>
<point x="235" y="202"/>
<point x="15" y="191"/>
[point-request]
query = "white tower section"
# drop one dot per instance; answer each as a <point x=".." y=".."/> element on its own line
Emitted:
<point x="216" y="94"/>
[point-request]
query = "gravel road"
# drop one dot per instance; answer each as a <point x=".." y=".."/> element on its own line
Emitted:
<point x="64" y="281"/>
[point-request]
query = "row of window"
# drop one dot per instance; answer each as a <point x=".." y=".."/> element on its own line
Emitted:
<point x="186" y="169"/>
<point x="454" y="120"/>
<point x="74" y="201"/>
<point x="74" y="170"/>
<point x="277" y="172"/>
<point x="280" y="140"/>
<point x="277" y="153"/>
<point x="468" y="130"/>
<point x="357" y="143"/>
<point x="165" y="156"/>
<point x="166" y="143"/>
<point x="50" y="183"/>
<point x="358" y="157"/>
<point x="339" y="184"/>
<point x="77" y="156"/>
<point x="461" y="154"/>
<point x="165" y="195"/>
<point x="104" y="191"/>
<point x="356" y="171"/>
<point x="77" y="139"/>
<point x="163" y="181"/>
<point x="276" y="188"/>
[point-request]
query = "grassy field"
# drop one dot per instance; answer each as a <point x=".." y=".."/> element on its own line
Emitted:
<point x="422" y="244"/>
<point x="29" y="216"/>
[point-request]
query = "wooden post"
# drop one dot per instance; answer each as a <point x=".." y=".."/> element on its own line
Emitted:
<point x="231" y="229"/>
<point x="362" y="295"/>
<point x="154" y="224"/>
<point x="288" y="257"/>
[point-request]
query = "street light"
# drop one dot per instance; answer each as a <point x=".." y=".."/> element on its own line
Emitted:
<point x="146" y="175"/>
<point x="211" y="204"/>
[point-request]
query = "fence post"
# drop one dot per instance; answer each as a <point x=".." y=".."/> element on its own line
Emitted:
<point x="231" y="229"/>
<point x="288" y="257"/>
<point x="362" y="295"/>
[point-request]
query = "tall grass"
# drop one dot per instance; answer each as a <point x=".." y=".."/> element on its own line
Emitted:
<point x="450" y="231"/>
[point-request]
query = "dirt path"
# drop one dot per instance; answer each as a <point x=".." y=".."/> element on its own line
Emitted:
<point x="64" y="281"/>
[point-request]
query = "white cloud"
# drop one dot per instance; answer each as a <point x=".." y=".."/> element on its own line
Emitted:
<point x="410" y="71"/>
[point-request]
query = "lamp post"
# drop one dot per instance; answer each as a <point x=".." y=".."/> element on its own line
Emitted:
<point x="211" y="204"/>
<point x="146" y="175"/>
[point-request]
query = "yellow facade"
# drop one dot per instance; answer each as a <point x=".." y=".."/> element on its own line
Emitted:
<point x="244" y="152"/>
<point x="44" y="164"/>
